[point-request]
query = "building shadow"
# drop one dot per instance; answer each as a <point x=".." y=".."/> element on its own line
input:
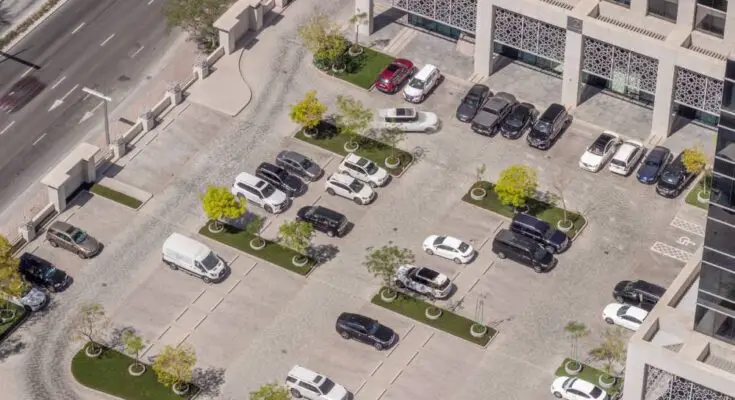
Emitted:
<point x="500" y="62"/>
<point x="679" y="123"/>
<point x="588" y="92"/>
<point x="250" y="38"/>
<point x="386" y="18"/>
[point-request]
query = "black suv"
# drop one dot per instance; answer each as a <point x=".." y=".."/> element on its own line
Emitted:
<point x="638" y="293"/>
<point x="527" y="225"/>
<point x="674" y="179"/>
<point x="548" y="127"/>
<point x="324" y="220"/>
<point x="280" y="178"/>
<point x="523" y="250"/>
<point x="366" y="330"/>
<point x="41" y="272"/>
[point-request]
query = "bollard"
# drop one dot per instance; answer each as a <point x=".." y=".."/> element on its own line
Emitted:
<point x="174" y="92"/>
<point x="147" y="121"/>
<point x="27" y="231"/>
<point x="119" y="148"/>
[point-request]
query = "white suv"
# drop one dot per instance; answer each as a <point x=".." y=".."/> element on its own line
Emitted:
<point x="627" y="157"/>
<point x="363" y="169"/>
<point x="349" y="187"/>
<point x="406" y="119"/>
<point x="422" y="83"/>
<point x="302" y="382"/>
<point x="259" y="192"/>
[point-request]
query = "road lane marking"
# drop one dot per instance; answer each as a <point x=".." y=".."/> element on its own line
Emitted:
<point x="28" y="71"/>
<point x="7" y="127"/>
<point x="107" y="40"/>
<point x="97" y="107"/>
<point x="78" y="28"/>
<point x="63" y="78"/>
<point x="69" y="92"/>
<point x="137" y="51"/>
<point x="39" y="139"/>
<point x="56" y="104"/>
<point x="151" y="2"/>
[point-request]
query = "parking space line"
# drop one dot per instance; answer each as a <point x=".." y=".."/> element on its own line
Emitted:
<point x="38" y="140"/>
<point x="218" y="303"/>
<point x="488" y="267"/>
<point x="327" y="163"/>
<point x="411" y="360"/>
<point x="234" y="286"/>
<point x="181" y="313"/>
<point x="377" y="367"/>
<point x="164" y="332"/>
<point x="483" y="243"/>
<point x="361" y="386"/>
<point x="104" y="42"/>
<point x="10" y="125"/>
<point x="28" y="71"/>
<point x="431" y="335"/>
<point x="55" y="85"/>
<point x="198" y="296"/>
<point x="251" y="268"/>
<point x="392" y="381"/>
<point x="201" y="320"/>
<point x="137" y="51"/>
<point x="477" y="280"/>
<point x="671" y="251"/>
<point x="317" y="200"/>
<point x="78" y="28"/>
<point x="688" y="226"/>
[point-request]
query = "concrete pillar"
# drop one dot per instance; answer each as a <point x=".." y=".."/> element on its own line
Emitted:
<point x="484" y="38"/>
<point x="27" y="231"/>
<point x="635" y="370"/>
<point x="90" y="173"/>
<point x="201" y="67"/>
<point x="663" y="104"/>
<point x="365" y="6"/>
<point x="257" y="19"/>
<point x="57" y="197"/>
<point x="639" y="8"/>
<point x="119" y="148"/>
<point x="730" y="22"/>
<point x="226" y="41"/>
<point x="685" y="13"/>
<point x="147" y="121"/>
<point x="573" y="57"/>
<point x="175" y="93"/>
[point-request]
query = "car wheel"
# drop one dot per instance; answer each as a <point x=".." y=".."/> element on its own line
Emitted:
<point x="501" y="255"/>
<point x="296" y="394"/>
<point x="609" y="321"/>
<point x="457" y="261"/>
<point x="330" y="191"/>
<point x="373" y="185"/>
<point x="345" y="335"/>
<point x="378" y="346"/>
<point x="53" y="244"/>
<point x="206" y="279"/>
<point x="429" y="130"/>
<point x="330" y="234"/>
<point x="538" y="270"/>
<point x="81" y="255"/>
<point x="357" y="201"/>
<point x="172" y="266"/>
<point x="268" y="209"/>
<point x="556" y="394"/>
<point x="429" y="252"/>
<point x="619" y="299"/>
<point x="551" y="249"/>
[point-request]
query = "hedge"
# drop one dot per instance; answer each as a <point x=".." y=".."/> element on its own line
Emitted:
<point x="10" y="36"/>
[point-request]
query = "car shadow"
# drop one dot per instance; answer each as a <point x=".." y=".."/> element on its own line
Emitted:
<point x="322" y="253"/>
<point x="209" y="380"/>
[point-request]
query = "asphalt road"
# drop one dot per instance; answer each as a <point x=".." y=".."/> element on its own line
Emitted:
<point x="102" y="44"/>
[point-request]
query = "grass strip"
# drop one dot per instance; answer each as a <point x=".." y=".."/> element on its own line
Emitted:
<point x="362" y="70"/>
<point x="116" y="196"/>
<point x="590" y="374"/>
<point x="691" y="198"/>
<point x="20" y="314"/>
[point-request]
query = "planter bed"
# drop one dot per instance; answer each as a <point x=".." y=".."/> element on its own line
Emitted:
<point x="21" y="314"/>
<point x="371" y="149"/>
<point x="108" y="373"/>
<point x="448" y="322"/>
<point x="363" y="69"/>
<point x="537" y="208"/>
<point x="272" y="252"/>
<point x="691" y="198"/>
<point x="590" y="375"/>
<point x="114" y="195"/>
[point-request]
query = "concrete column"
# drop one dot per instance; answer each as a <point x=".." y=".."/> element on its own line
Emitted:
<point x="27" y="231"/>
<point x="57" y="197"/>
<point x="147" y="121"/>
<point x="635" y="370"/>
<point x="685" y="13"/>
<point x="119" y="149"/>
<point x="663" y="104"/>
<point x="175" y="93"/>
<point x="368" y="7"/>
<point x="90" y="167"/>
<point x="257" y="21"/>
<point x="226" y="42"/>
<point x="201" y="67"/>
<point x="484" y="38"/>
<point x="730" y="23"/>
<point x="639" y="8"/>
<point x="573" y="55"/>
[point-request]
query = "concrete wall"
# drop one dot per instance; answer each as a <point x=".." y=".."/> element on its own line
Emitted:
<point x="72" y="172"/>
<point x="243" y="16"/>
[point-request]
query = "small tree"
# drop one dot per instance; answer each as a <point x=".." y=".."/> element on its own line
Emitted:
<point x="383" y="262"/>
<point x="174" y="366"/>
<point x="296" y="235"/>
<point x="134" y="344"/>
<point x="694" y="159"/>
<point x="11" y="282"/>
<point x="559" y="186"/>
<point x="315" y="30"/>
<point x="308" y="112"/>
<point x="218" y="202"/>
<point x="333" y="50"/>
<point x="356" y="20"/>
<point x="480" y="172"/>
<point x="197" y="18"/>
<point x="516" y="184"/>
<point x="353" y="119"/>
<point x="254" y="227"/>
<point x="89" y="324"/>
<point x="611" y="352"/>
<point x="271" y="391"/>
<point x="391" y="137"/>
<point x="575" y="331"/>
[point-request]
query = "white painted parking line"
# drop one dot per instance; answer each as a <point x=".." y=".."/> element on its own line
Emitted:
<point x="39" y="139"/>
<point x="28" y="71"/>
<point x="7" y="127"/>
<point x="688" y="226"/>
<point x="107" y="40"/>
<point x="671" y="251"/>
<point x="78" y="28"/>
<point x="137" y="51"/>
<point x="55" y="85"/>
<point x="151" y="2"/>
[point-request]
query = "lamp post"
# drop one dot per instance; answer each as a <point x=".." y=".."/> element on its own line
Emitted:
<point x="105" y="100"/>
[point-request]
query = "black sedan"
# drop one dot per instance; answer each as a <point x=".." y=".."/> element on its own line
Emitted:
<point x="472" y="102"/>
<point x="653" y="165"/>
<point x="366" y="330"/>
<point x="280" y="178"/>
<point x="518" y="121"/>
<point x="43" y="273"/>
<point x="674" y="178"/>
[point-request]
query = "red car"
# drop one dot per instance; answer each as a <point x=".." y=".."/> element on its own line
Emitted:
<point x="21" y="93"/>
<point x="394" y="75"/>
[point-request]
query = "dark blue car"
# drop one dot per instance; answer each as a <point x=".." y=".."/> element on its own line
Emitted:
<point x="653" y="165"/>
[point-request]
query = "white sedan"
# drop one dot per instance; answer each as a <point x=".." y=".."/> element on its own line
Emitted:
<point x="406" y="119"/>
<point x="600" y="151"/>
<point x="624" y="315"/>
<point x="568" y="388"/>
<point x="449" y="247"/>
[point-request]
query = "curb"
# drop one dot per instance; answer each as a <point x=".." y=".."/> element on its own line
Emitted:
<point x="341" y="80"/>
<point x="34" y="25"/>
<point x="16" y="325"/>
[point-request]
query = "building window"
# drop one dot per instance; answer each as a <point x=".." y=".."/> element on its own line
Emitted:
<point x="666" y="9"/>
<point x="624" y="3"/>
<point x="730" y="70"/>
<point x="710" y="20"/>
<point x="717" y="281"/>
<point x="723" y="192"/>
<point x="719" y="235"/>
<point x="720" y="5"/>
<point x="718" y="258"/>
<point x="713" y="323"/>
<point x="726" y="140"/>
<point x="728" y="96"/>
<point x="719" y="303"/>
<point x="727" y="120"/>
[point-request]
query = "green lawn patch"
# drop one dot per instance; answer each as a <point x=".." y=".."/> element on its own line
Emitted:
<point x="7" y="327"/>
<point x="369" y="148"/>
<point x="114" y="195"/>
<point x="700" y="186"/>
<point x="272" y="252"/>
<point x="537" y="208"/>
<point x="590" y="375"/>
<point x="448" y="322"/>
<point x="108" y="373"/>
<point x="362" y="70"/>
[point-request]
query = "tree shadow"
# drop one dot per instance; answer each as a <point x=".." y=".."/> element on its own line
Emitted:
<point x="322" y="253"/>
<point x="115" y="338"/>
<point x="10" y="347"/>
<point x="209" y="380"/>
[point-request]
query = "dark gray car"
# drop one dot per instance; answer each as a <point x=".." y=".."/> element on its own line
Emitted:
<point x="299" y="164"/>
<point x="71" y="238"/>
<point x="492" y="113"/>
<point x="472" y="102"/>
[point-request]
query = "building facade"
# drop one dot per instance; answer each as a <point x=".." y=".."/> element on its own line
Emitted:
<point x="668" y="55"/>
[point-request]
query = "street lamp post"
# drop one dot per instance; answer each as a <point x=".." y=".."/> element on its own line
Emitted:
<point x="105" y="100"/>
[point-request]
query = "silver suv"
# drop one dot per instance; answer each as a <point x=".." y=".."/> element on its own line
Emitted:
<point x="259" y="192"/>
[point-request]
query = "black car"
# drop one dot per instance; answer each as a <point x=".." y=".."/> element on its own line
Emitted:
<point x="42" y="273"/>
<point x="638" y="293"/>
<point x="674" y="178"/>
<point x="472" y="102"/>
<point x="548" y="127"/>
<point x="22" y="92"/>
<point x="300" y="165"/>
<point x="280" y="178"/>
<point x="492" y="113"/>
<point x="523" y="250"/>
<point x="366" y="330"/>
<point x="520" y="118"/>
<point x="554" y="240"/>
<point x="324" y="220"/>
<point x="653" y="165"/>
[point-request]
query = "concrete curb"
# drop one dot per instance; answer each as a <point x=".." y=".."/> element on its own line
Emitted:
<point x="341" y="80"/>
<point x="33" y="26"/>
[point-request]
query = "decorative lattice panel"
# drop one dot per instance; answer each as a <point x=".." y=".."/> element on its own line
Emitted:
<point x="460" y="14"/>
<point x="662" y="385"/>
<point x="620" y="65"/>
<point x="698" y="91"/>
<point x="529" y="35"/>
<point x="551" y="42"/>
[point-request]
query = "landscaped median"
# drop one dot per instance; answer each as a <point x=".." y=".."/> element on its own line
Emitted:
<point x="272" y="252"/>
<point x="362" y="70"/>
<point x="11" y="317"/>
<point x="446" y="321"/>
<point x="8" y="37"/>
<point x="699" y="195"/>
<point x="589" y="374"/>
<point x="116" y="196"/>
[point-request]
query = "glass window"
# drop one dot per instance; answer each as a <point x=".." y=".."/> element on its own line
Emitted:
<point x="723" y="191"/>
<point x="725" y="138"/>
<point x="730" y="70"/>
<point x="710" y="21"/>
<point x="718" y="212"/>
<point x="704" y="320"/>
<point x="718" y="303"/>
<point x="719" y="258"/>
<point x="723" y="164"/>
<point x="666" y="9"/>
<point x="716" y="4"/>
<point x="728" y="96"/>
<point x="719" y="236"/>
<point x="724" y="327"/>
<point x="727" y="119"/>
<point x="717" y="280"/>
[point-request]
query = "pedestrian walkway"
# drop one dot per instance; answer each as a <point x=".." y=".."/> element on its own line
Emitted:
<point x="224" y="90"/>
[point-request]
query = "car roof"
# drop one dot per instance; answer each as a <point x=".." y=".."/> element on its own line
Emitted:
<point x="648" y="287"/>
<point x="303" y="374"/>
<point x="248" y="179"/>
<point x="582" y="385"/>
<point x="270" y="167"/>
<point x="326" y="212"/>
<point x="527" y="219"/>
<point x="398" y="112"/>
<point x="626" y="149"/>
<point x="552" y="111"/>
<point x="478" y="89"/>
<point x="505" y="235"/>
<point x="425" y="71"/>
<point x="451" y="241"/>
<point x="659" y="152"/>
<point x="28" y="259"/>
<point x="62" y="227"/>
<point x="341" y="178"/>
<point x="637" y="313"/>
<point x="357" y="318"/>
<point x="291" y="155"/>
<point x="496" y="103"/>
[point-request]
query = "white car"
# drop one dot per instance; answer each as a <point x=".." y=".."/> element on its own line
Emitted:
<point x="349" y="187"/>
<point x="308" y="384"/>
<point x="406" y="119"/>
<point x="624" y="315"/>
<point x="422" y="83"/>
<point x="424" y="281"/>
<point x="627" y="157"/>
<point x="259" y="192"/>
<point x="449" y="247"/>
<point x="600" y="151"/>
<point x="364" y="170"/>
<point x="568" y="388"/>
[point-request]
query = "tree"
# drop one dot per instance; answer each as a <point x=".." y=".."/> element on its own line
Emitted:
<point x="271" y="391"/>
<point x="134" y="344"/>
<point x="7" y="260"/>
<point x="480" y="172"/>
<point x="296" y="235"/>
<point x="315" y="30"/>
<point x="333" y="50"/>
<point x="353" y="119"/>
<point x="254" y="227"/>
<point x="11" y="282"/>
<point x="197" y="18"/>
<point x="391" y="137"/>
<point x="91" y="320"/>
<point x="611" y="352"/>
<point x="694" y="159"/>
<point x="356" y="20"/>
<point x="174" y="366"/>
<point x="218" y="202"/>
<point x="383" y="262"/>
<point x="575" y="331"/>
<point x="559" y="186"/>
<point x="308" y="112"/>
<point x="516" y="184"/>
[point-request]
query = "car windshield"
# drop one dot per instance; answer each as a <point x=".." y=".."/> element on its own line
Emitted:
<point x="595" y="392"/>
<point x="356" y="186"/>
<point x="623" y="310"/>
<point x="542" y="126"/>
<point x="463" y="247"/>
<point x="539" y="253"/>
<point x="653" y="163"/>
<point x="268" y="190"/>
<point x="371" y="168"/>
<point x="417" y="83"/>
<point x="671" y="176"/>
<point x="210" y="262"/>
<point x="305" y="163"/>
<point x="78" y="236"/>
<point x="618" y="163"/>
<point x="50" y="273"/>
<point x="472" y="100"/>
<point x="514" y="121"/>
<point x="326" y="386"/>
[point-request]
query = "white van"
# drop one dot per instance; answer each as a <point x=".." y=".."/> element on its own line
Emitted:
<point x="193" y="257"/>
